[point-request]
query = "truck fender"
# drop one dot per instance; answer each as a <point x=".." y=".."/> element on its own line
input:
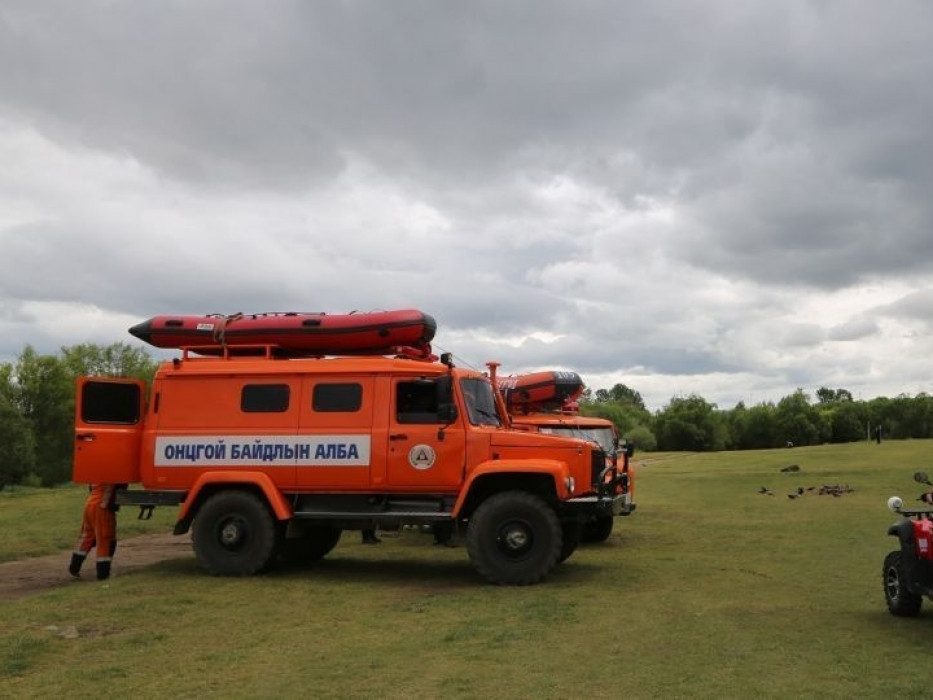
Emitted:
<point x="553" y="468"/>
<point x="280" y="506"/>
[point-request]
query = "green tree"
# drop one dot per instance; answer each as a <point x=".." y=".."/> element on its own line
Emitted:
<point x="45" y="398"/>
<point x="917" y="416"/>
<point x="17" y="448"/>
<point x="620" y="394"/>
<point x="689" y="424"/>
<point x="642" y="437"/>
<point x="847" y="421"/>
<point x="827" y="396"/>
<point x="116" y="360"/>
<point x="799" y="422"/>
<point x="626" y="409"/>
<point x="753" y="428"/>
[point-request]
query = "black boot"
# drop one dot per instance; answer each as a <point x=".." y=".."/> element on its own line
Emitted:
<point x="103" y="570"/>
<point x="74" y="568"/>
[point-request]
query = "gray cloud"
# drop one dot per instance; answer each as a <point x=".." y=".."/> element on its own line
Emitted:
<point x="709" y="197"/>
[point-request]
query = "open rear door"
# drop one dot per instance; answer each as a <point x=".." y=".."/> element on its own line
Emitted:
<point x="108" y="429"/>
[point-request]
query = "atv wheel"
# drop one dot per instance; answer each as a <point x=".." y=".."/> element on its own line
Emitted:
<point x="901" y="601"/>
<point x="514" y="538"/>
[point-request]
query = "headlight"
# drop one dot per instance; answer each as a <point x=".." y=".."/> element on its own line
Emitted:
<point x="895" y="503"/>
<point x="569" y="483"/>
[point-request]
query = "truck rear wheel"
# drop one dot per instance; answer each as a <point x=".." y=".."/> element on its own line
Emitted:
<point x="901" y="601"/>
<point x="514" y="538"/>
<point x="314" y="544"/>
<point x="598" y="529"/>
<point x="234" y="534"/>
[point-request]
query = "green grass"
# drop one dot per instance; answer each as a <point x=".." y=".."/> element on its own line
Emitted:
<point x="708" y="590"/>
<point x="44" y="521"/>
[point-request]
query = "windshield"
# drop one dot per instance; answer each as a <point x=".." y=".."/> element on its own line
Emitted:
<point x="603" y="436"/>
<point x="480" y="401"/>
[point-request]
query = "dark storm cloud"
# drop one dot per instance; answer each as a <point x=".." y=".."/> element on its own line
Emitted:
<point x="684" y="188"/>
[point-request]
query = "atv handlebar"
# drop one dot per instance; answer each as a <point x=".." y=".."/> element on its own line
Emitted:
<point x="896" y="504"/>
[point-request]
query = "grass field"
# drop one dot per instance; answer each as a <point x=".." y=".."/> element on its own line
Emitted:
<point x="709" y="590"/>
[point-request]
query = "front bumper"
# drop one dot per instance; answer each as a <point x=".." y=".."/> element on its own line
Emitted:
<point x="599" y="504"/>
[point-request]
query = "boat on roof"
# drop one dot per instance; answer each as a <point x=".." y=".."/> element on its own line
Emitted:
<point x="295" y="333"/>
<point x="547" y="391"/>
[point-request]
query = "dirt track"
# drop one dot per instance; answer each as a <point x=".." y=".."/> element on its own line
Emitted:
<point x="19" y="579"/>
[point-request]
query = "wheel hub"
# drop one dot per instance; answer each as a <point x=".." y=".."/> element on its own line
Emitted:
<point x="893" y="584"/>
<point x="515" y="538"/>
<point x="231" y="534"/>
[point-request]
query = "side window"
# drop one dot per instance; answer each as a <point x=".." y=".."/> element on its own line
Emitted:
<point x="343" y="398"/>
<point x="110" y="402"/>
<point x="264" y="398"/>
<point x="416" y="402"/>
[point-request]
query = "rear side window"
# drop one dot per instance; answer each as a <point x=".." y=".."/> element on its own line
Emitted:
<point x="110" y="402"/>
<point x="264" y="398"/>
<point x="337" y="398"/>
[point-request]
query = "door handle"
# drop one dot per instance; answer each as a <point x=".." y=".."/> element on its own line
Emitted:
<point x="86" y="437"/>
<point x="398" y="436"/>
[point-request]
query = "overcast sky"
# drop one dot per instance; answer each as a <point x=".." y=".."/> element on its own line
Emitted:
<point x="730" y="199"/>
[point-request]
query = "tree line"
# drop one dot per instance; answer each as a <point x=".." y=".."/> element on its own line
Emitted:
<point x="694" y="424"/>
<point x="37" y="394"/>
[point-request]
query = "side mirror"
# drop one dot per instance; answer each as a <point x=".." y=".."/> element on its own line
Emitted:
<point x="445" y="390"/>
<point x="629" y="448"/>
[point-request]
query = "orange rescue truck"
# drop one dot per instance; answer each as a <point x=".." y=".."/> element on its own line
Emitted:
<point x="550" y="407"/>
<point x="271" y="458"/>
<point x="569" y="423"/>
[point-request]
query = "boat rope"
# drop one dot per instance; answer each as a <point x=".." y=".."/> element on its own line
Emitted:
<point x="220" y="328"/>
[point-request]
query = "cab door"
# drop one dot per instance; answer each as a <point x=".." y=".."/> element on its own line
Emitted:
<point x="108" y="429"/>
<point x="423" y="452"/>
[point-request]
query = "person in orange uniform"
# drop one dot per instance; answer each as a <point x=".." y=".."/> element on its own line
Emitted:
<point x="98" y="527"/>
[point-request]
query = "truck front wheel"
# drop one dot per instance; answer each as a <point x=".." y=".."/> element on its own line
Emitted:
<point x="234" y="534"/>
<point x="901" y="601"/>
<point x="514" y="538"/>
<point x="572" y="532"/>
<point x="598" y="529"/>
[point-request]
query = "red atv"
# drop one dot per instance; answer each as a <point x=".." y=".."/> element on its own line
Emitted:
<point x="907" y="573"/>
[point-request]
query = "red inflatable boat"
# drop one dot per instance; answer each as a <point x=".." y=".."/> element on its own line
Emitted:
<point x="541" y="390"/>
<point x="374" y="333"/>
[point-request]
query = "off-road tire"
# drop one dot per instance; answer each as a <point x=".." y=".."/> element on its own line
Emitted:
<point x="900" y="600"/>
<point x="514" y="538"/>
<point x="313" y="545"/>
<point x="234" y="534"/>
<point x="572" y="531"/>
<point x="598" y="529"/>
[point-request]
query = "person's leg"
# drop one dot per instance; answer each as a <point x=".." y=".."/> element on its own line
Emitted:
<point x="106" y="542"/>
<point x="85" y="544"/>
